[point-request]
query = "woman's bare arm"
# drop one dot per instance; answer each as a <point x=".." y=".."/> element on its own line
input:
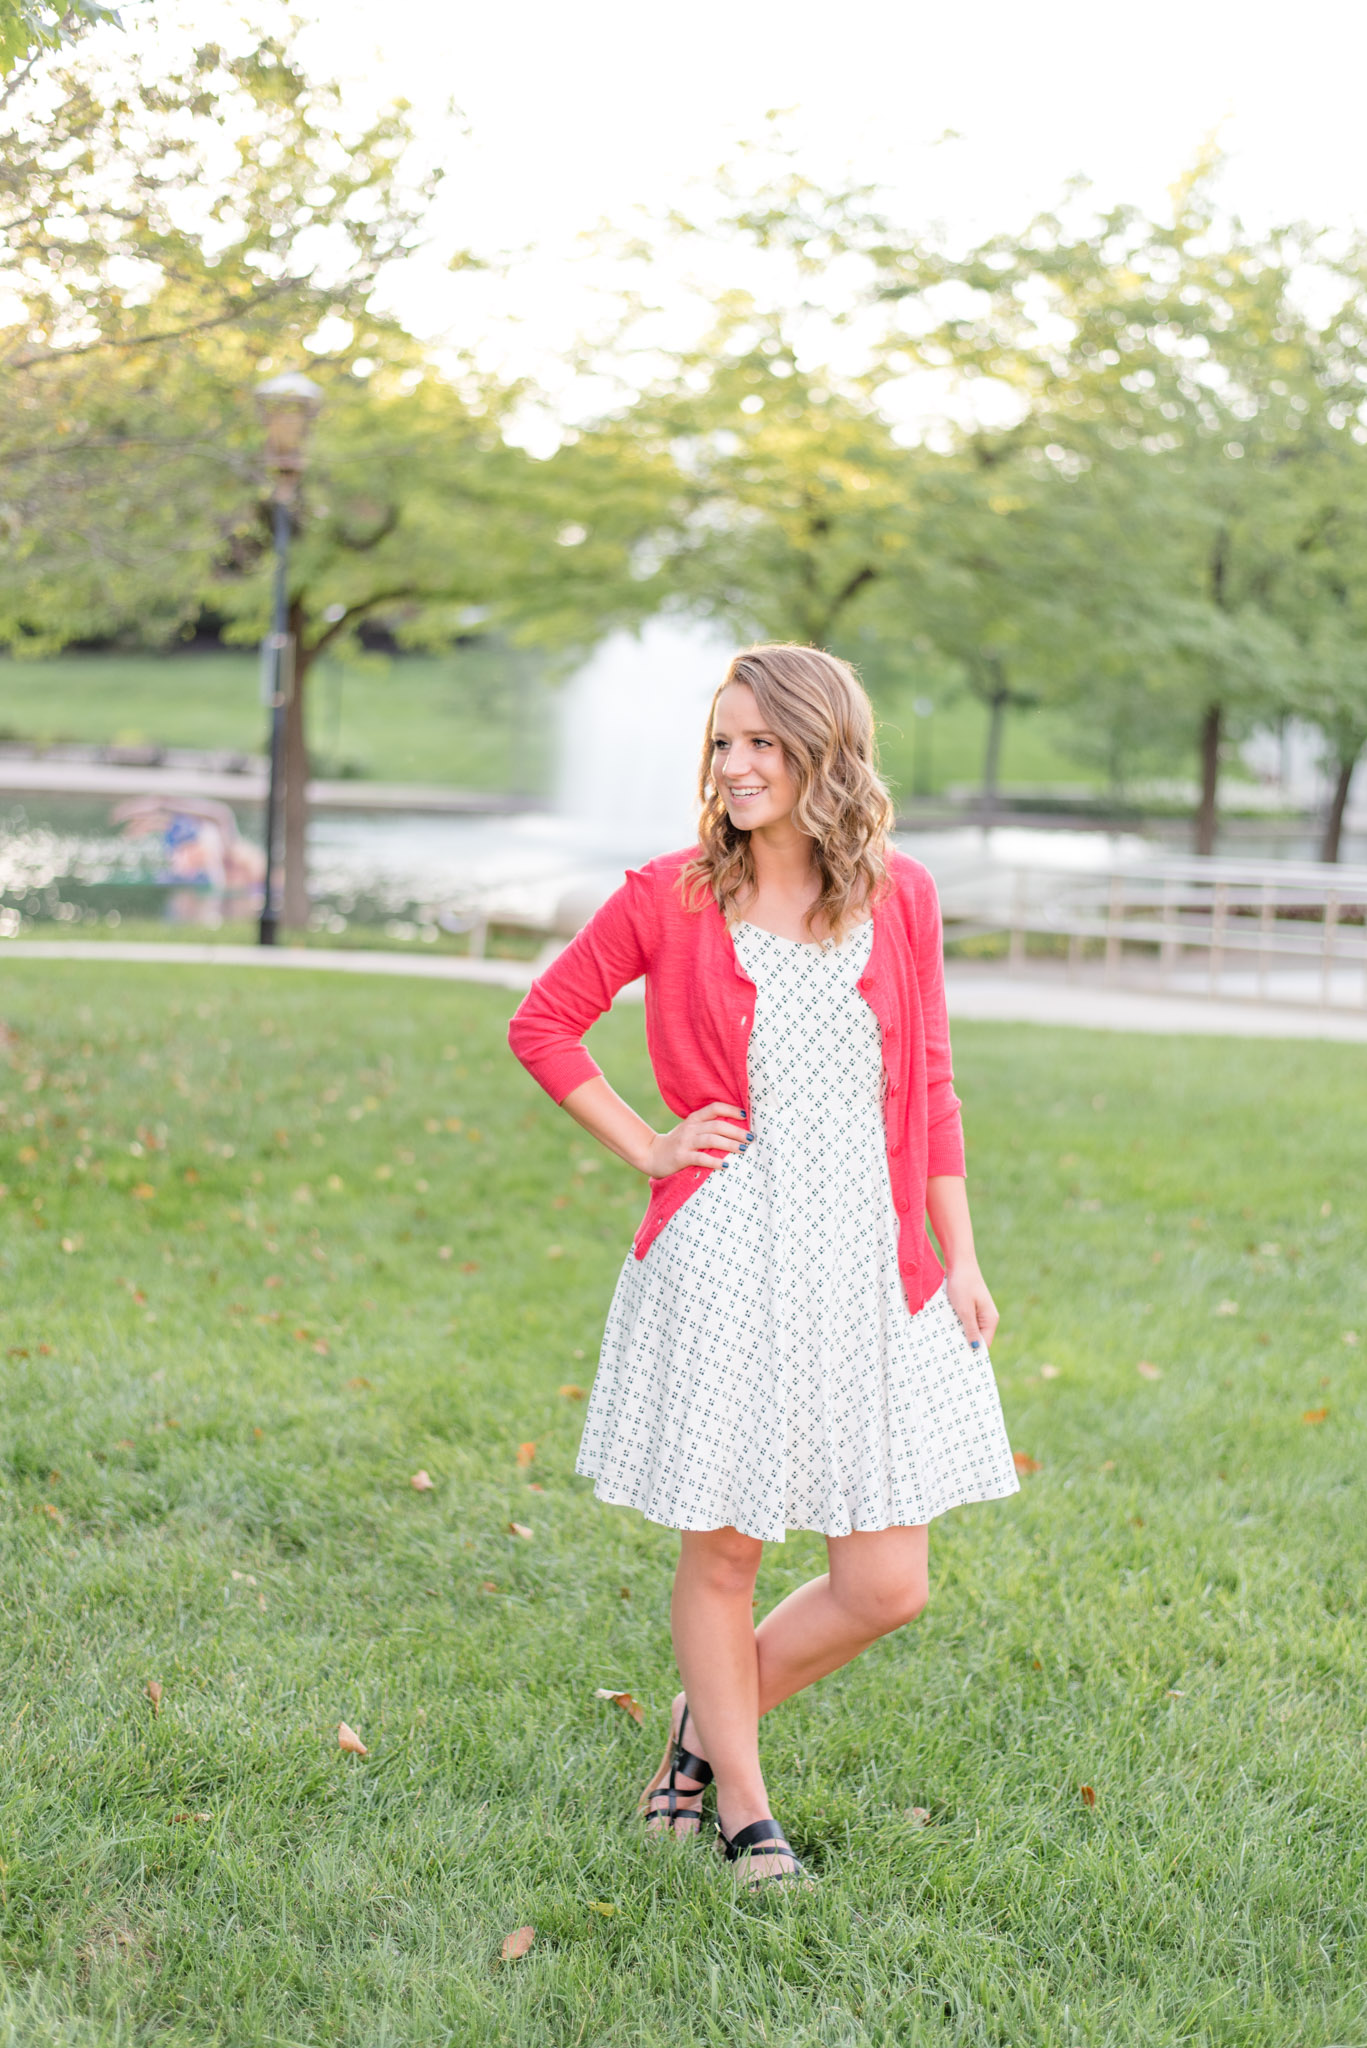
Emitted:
<point x="947" y="1210"/>
<point x="720" y="1126"/>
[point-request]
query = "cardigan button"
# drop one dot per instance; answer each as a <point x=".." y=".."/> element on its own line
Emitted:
<point x="903" y="1204"/>
<point x="895" y="1149"/>
<point x="907" y="1267"/>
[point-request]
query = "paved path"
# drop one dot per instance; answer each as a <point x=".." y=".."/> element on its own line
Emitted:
<point x="981" y="993"/>
<point x="988" y="994"/>
<point x="116" y="779"/>
<point x="515" y="974"/>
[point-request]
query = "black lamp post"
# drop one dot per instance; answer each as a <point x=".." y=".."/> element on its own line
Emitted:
<point x="288" y="406"/>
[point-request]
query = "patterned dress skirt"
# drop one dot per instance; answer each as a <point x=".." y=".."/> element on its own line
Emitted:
<point x="760" y="1368"/>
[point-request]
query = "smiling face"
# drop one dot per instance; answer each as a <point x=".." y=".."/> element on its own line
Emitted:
<point x="748" y="763"/>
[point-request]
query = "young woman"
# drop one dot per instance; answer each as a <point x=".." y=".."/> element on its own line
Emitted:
<point x="784" y="1349"/>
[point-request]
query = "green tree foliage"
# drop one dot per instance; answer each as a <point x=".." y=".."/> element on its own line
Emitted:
<point x="173" y="241"/>
<point x="28" y="28"/>
<point x="1178" y="366"/>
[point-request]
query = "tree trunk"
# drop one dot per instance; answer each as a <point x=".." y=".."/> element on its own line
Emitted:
<point x="996" y="719"/>
<point x="295" y="906"/>
<point x="1206" y="812"/>
<point x="1338" y="804"/>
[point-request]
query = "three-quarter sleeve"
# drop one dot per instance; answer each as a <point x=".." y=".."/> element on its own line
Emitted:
<point x="614" y="948"/>
<point x="944" y="1121"/>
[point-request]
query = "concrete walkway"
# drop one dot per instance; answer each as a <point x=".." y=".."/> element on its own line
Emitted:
<point x="986" y="994"/>
<point x="990" y="995"/>
<point x="47" y="777"/>
<point x="514" y="974"/>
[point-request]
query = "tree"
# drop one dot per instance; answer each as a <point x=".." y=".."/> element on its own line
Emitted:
<point x="794" y="499"/>
<point x="30" y="27"/>
<point x="173" y="241"/>
<point x="1325" y="604"/>
<point x="1185" y="348"/>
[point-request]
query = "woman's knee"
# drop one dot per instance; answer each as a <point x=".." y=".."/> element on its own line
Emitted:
<point x="722" y="1559"/>
<point x="880" y="1605"/>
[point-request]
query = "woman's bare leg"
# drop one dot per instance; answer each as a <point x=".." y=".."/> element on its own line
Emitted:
<point x="733" y="1673"/>
<point x="877" y="1582"/>
<point x="714" y="1645"/>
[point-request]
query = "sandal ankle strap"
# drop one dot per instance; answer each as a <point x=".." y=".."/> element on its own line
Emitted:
<point x="764" y="1836"/>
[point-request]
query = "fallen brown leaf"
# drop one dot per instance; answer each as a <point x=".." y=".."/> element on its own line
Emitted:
<point x="525" y="1453"/>
<point x="572" y="1393"/>
<point x="350" y="1741"/>
<point x="623" y="1700"/>
<point x="1023" y="1462"/>
<point x="536" y="1487"/>
<point x="520" y="1529"/>
<point x="153" y="1691"/>
<point x="469" y="1266"/>
<point x="357" y="1381"/>
<point x="144" y="1191"/>
<point x="1088" y="1795"/>
<point x="919" y="1816"/>
<point x="1315" y="1415"/>
<point x="1148" y="1371"/>
<point x="421" y="1482"/>
<point x="191" y="1816"/>
<point x="555" y="1251"/>
<point x="517" y="1943"/>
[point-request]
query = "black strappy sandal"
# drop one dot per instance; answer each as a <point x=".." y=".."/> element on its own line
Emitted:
<point x="763" y="1838"/>
<point x="678" y="1763"/>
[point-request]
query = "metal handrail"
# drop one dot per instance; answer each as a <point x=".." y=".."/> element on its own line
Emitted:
<point x="1292" y="913"/>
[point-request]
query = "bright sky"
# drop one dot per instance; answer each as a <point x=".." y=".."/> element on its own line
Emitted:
<point x="576" y="113"/>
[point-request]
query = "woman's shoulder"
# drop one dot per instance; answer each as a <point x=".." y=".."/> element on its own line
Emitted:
<point x="659" y="878"/>
<point x="911" y="879"/>
<point x="666" y="867"/>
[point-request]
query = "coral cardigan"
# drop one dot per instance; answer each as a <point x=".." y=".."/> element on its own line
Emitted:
<point x="699" y="1010"/>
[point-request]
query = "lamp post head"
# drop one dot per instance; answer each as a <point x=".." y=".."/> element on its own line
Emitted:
<point x="288" y="405"/>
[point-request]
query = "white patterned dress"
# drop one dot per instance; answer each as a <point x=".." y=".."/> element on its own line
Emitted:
<point x="761" y="1368"/>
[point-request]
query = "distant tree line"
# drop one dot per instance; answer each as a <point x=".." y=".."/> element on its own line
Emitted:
<point x="1144" y="502"/>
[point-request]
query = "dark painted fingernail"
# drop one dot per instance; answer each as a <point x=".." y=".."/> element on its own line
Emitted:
<point x="976" y="1342"/>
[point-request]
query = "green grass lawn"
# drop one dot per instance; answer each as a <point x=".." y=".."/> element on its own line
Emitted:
<point x="476" y="718"/>
<point x="230" y="1335"/>
<point x="479" y="717"/>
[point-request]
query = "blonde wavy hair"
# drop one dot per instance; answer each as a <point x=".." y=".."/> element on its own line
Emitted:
<point x="814" y="705"/>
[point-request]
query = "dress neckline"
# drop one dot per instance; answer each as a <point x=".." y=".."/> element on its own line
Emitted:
<point x="814" y="945"/>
